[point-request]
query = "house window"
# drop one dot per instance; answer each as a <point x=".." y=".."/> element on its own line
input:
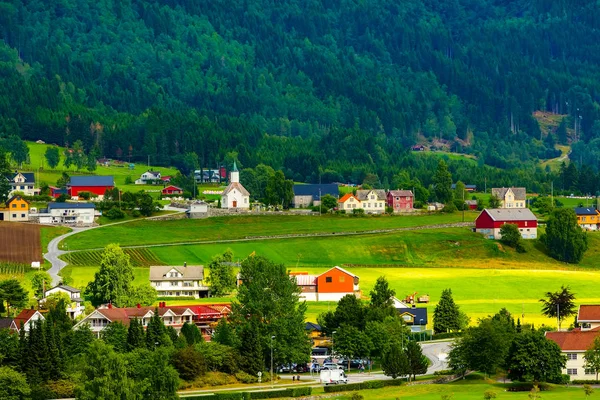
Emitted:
<point x="590" y="371"/>
<point x="22" y="205"/>
<point x="586" y="325"/>
<point x="328" y="279"/>
<point x="14" y="215"/>
<point x="22" y="215"/>
<point x="14" y="206"/>
<point x="571" y="356"/>
<point x="571" y="371"/>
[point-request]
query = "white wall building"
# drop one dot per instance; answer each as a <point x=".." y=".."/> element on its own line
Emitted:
<point x="235" y="196"/>
<point x="23" y="182"/>
<point x="149" y="178"/>
<point x="68" y="214"/>
<point x="76" y="307"/>
<point x="27" y="319"/>
<point x="372" y="201"/>
<point x="170" y="281"/>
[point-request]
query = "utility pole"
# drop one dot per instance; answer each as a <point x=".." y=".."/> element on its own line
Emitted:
<point x="272" y="337"/>
<point x="558" y="316"/>
<point x="463" y="207"/>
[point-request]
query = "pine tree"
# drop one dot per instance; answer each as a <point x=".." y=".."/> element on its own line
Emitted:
<point x="191" y="333"/>
<point x="251" y="350"/>
<point x="417" y="362"/>
<point x="224" y="334"/>
<point x="135" y="335"/>
<point x="156" y="333"/>
<point x="395" y="362"/>
<point x="446" y="316"/>
<point x="54" y="354"/>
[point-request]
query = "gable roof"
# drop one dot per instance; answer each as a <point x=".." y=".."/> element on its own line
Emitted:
<point x="67" y="288"/>
<point x="364" y="194"/>
<point x="473" y="187"/>
<point x="346" y="197"/>
<point x="238" y="186"/>
<point x="418" y="314"/>
<point x="16" y="197"/>
<point x="313" y="190"/>
<point x="29" y="176"/>
<point x="93" y="180"/>
<point x="306" y="280"/>
<point x="172" y="187"/>
<point x="519" y="192"/>
<point x="510" y="214"/>
<point x="341" y="269"/>
<point x="24" y="316"/>
<point x="585" y="211"/>
<point x="189" y="272"/>
<point x="588" y="313"/>
<point x="401" y="193"/>
<point x="311" y="326"/>
<point x="154" y="173"/>
<point x="62" y="206"/>
<point x="471" y="202"/>
<point x="575" y="340"/>
<point x="5" y="323"/>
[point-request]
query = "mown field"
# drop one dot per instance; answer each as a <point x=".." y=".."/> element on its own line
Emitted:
<point x="222" y="228"/>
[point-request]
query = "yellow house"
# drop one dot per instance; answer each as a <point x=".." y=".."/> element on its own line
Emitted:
<point x="513" y="197"/>
<point x="316" y="337"/>
<point x="587" y="218"/>
<point x="16" y="210"/>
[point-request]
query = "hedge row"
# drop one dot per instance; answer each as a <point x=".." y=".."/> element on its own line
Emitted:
<point x="527" y="386"/>
<point x="271" y="394"/>
<point x="362" y="386"/>
<point x="585" y="382"/>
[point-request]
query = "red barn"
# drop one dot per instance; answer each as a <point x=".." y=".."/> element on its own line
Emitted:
<point x="172" y="190"/>
<point x="490" y="221"/>
<point x="400" y="200"/>
<point x="94" y="184"/>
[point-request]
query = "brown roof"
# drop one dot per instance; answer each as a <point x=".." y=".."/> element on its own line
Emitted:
<point x="238" y="186"/>
<point x="519" y="192"/>
<point x="401" y="193"/>
<point x="124" y="315"/>
<point x="363" y="194"/>
<point x="588" y="313"/>
<point x="23" y="317"/>
<point x="575" y="340"/>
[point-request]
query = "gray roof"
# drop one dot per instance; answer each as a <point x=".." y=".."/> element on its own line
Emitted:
<point x="313" y="190"/>
<point x="157" y="273"/>
<point x="362" y="194"/>
<point x="62" y="206"/>
<point x="67" y="288"/>
<point x="29" y="176"/>
<point x="238" y="186"/>
<point x="511" y="214"/>
<point x="92" y="181"/>
<point x="585" y="211"/>
<point x="519" y="192"/>
<point x="401" y="193"/>
<point x="5" y="323"/>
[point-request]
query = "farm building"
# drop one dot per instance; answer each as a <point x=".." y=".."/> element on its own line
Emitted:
<point x="56" y="192"/>
<point x="331" y="285"/>
<point x="68" y="214"/>
<point x="574" y="343"/>
<point x="171" y="190"/>
<point x="413" y="316"/>
<point x="513" y="197"/>
<point x="472" y="204"/>
<point x="198" y="209"/>
<point x="307" y="195"/>
<point x="76" y="307"/>
<point x="23" y="182"/>
<point x="96" y="185"/>
<point x="16" y="210"/>
<point x="400" y="200"/>
<point x="179" y="281"/>
<point x="235" y="196"/>
<point x="587" y="218"/>
<point x="490" y="221"/>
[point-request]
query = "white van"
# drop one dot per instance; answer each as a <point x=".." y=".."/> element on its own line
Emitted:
<point x="333" y="376"/>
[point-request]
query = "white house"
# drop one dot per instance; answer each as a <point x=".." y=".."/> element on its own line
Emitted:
<point x="68" y="214"/>
<point x="76" y="307"/>
<point x="349" y="202"/>
<point x="149" y="178"/>
<point x="574" y="344"/>
<point x="235" y="196"/>
<point x="102" y="317"/>
<point x="26" y="318"/>
<point x="198" y="209"/>
<point x="372" y="201"/>
<point x="513" y="197"/>
<point x="177" y="281"/>
<point x="23" y="182"/>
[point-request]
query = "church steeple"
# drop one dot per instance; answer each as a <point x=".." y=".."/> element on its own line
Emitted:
<point x="234" y="175"/>
<point x="235" y="167"/>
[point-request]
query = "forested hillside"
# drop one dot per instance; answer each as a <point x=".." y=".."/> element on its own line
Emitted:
<point x="344" y="87"/>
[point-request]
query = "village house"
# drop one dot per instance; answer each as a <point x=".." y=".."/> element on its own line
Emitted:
<point x="331" y="285"/>
<point x="26" y="319"/>
<point x="574" y="343"/>
<point x="198" y="209"/>
<point x="235" y="196"/>
<point x="472" y="204"/>
<point x="208" y="175"/>
<point x="95" y="185"/>
<point x="468" y="188"/>
<point x="79" y="214"/>
<point x="315" y="335"/>
<point x="23" y="182"/>
<point x="413" y="316"/>
<point x="490" y="221"/>
<point x="75" y="308"/>
<point x="56" y="192"/>
<point x="16" y="210"/>
<point x="587" y="218"/>
<point x="400" y="200"/>
<point x="513" y="197"/>
<point x="307" y="195"/>
<point x="171" y="190"/>
<point x="349" y="202"/>
<point x="149" y="178"/>
<point x="179" y="281"/>
<point x="372" y="201"/>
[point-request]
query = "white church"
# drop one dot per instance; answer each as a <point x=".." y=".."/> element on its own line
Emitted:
<point x="235" y="196"/>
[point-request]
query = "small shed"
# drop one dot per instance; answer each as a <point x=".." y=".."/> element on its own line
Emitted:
<point x="198" y="209"/>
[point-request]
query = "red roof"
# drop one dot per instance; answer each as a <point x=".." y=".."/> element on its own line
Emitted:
<point x="23" y="317"/>
<point x="346" y="197"/>
<point x="172" y="188"/>
<point x="123" y="315"/>
<point x="588" y="313"/>
<point x="576" y="340"/>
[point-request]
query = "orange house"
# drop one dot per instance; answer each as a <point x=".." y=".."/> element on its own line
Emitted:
<point x="335" y="283"/>
<point x="16" y="210"/>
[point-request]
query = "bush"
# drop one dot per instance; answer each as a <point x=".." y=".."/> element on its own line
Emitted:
<point x="443" y="372"/>
<point x="229" y="396"/>
<point x="115" y="213"/>
<point x="585" y="382"/>
<point x="301" y="391"/>
<point x="358" y="212"/>
<point x="271" y="394"/>
<point x="447" y="335"/>
<point x="85" y="195"/>
<point x="343" y="388"/>
<point x="189" y="363"/>
<point x="244" y="377"/>
<point x="357" y="396"/>
<point x="527" y="386"/>
<point x="136" y="214"/>
<point x="373" y="384"/>
<point x="489" y="394"/>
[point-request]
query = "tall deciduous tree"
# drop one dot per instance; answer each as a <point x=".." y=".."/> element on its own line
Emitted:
<point x="446" y="316"/>
<point x="351" y="343"/>
<point x="564" y="239"/>
<point x="13" y="385"/>
<point x="112" y="282"/>
<point x="115" y="334"/>
<point x="442" y="181"/>
<point x="512" y="237"/>
<point x="153" y="373"/>
<point x="381" y="304"/>
<point x="494" y="202"/>
<point x="592" y="357"/>
<point x="559" y="304"/>
<point x="221" y="274"/>
<point x="52" y="156"/>
<point x="13" y="294"/>
<point x="532" y="357"/>
<point x="40" y="281"/>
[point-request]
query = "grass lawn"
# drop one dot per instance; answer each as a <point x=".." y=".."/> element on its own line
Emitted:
<point x="220" y="228"/>
<point x="47" y="233"/>
<point x="79" y="277"/>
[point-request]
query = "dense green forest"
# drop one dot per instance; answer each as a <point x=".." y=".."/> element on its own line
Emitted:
<point x="336" y="89"/>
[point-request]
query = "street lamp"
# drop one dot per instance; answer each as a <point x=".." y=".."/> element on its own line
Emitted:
<point x="272" y="337"/>
<point x="332" y="344"/>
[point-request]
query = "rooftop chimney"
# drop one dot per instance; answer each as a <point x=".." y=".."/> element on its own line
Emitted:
<point x="109" y="305"/>
<point x="139" y="305"/>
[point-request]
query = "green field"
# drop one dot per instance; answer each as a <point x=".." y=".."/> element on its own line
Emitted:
<point x="221" y="228"/>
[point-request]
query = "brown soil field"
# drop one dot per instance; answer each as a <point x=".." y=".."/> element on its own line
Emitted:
<point x="20" y="243"/>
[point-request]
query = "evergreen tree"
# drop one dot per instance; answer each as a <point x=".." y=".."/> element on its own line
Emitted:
<point x="135" y="335"/>
<point x="116" y="335"/>
<point x="442" y="181"/>
<point x="395" y="362"/>
<point x="251" y="349"/>
<point x="54" y="350"/>
<point x="417" y="362"/>
<point x="381" y="296"/>
<point x="5" y="170"/>
<point x="156" y="332"/>
<point x="191" y="333"/>
<point x="446" y="316"/>
<point x="224" y="334"/>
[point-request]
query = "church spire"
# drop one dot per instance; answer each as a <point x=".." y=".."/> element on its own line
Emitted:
<point x="235" y="167"/>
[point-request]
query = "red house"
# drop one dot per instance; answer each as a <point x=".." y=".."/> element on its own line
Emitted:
<point x="400" y="200"/>
<point x="172" y="190"/>
<point x="490" y="221"/>
<point x="94" y="184"/>
<point x="56" y="192"/>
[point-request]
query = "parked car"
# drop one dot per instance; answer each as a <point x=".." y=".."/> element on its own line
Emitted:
<point x="329" y="365"/>
<point x="353" y="363"/>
